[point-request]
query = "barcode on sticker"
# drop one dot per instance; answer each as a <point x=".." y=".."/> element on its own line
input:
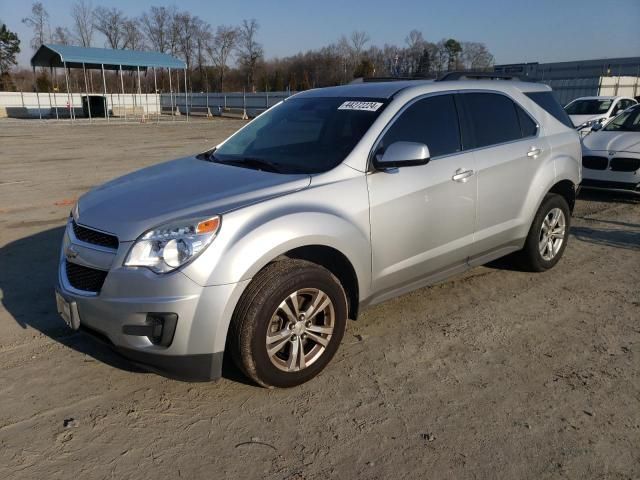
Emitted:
<point x="355" y="105"/>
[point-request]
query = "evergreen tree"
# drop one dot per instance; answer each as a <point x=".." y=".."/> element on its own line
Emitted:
<point x="9" y="48"/>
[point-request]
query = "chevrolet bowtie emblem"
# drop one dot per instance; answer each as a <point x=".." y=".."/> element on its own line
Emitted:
<point x="71" y="253"/>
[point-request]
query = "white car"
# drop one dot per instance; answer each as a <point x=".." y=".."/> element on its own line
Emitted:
<point x="585" y="112"/>
<point x="611" y="154"/>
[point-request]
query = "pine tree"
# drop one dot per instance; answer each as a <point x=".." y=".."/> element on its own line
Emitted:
<point x="9" y="48"/>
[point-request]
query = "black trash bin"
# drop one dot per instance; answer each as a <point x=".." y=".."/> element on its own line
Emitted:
<point x="98" y="104"/>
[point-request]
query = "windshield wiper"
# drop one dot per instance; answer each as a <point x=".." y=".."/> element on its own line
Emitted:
<point x="248" y="162"/>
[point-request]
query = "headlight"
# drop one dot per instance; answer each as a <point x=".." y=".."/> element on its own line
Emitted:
<point x="75" y="211"/>
<point x="589" y="123"/>
<point x="170" y="246"/>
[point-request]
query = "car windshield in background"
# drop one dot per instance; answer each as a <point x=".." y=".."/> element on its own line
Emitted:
<point x="301" y="135"/>
<point x="588" y="107"/>
<point x="628" y="121"/>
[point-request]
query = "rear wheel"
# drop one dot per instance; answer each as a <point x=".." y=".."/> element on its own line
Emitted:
<point x="288" y="324"/>
<point x="548" y="235"/>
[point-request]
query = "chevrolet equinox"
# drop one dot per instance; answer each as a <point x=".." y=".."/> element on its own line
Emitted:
<point x="331" y="201"/>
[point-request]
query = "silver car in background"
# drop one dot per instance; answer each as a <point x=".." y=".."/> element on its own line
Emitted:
<point x="334" y="200"/>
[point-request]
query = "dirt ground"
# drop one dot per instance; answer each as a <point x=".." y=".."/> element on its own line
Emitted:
<point x="494" y="374"/>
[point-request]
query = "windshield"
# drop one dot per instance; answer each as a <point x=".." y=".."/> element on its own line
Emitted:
<point x="588" y="107"/>
<point x="301" y="135"/>
<point x="628" y="121"/>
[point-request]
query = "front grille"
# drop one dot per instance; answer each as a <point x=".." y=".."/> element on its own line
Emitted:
<point x="94" y="237"/>
<point x="621" y="164"/>
<point x="594" y="163"/>
<point x="85" y="278"/>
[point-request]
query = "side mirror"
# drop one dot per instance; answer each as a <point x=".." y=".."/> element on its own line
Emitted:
<point x="596" y="127"/>
<point x="402" y="154"/>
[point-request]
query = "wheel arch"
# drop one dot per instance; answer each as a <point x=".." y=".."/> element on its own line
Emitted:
<point x="338" y="264"/>
<point x="567" y="190"/>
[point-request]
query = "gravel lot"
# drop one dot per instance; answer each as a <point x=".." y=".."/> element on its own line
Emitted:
<point x="494" y="374"/>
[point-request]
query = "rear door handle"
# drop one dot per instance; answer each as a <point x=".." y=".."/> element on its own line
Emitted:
<point x="462" y="175"/>
<point x="534" y="152"/>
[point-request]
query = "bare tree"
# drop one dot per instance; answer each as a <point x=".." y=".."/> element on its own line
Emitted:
<point x="476" y="56"/>
<point x="133" y="37"/>
<point x="415" y="46"/>
<point x="441" y="58"/>
<point x="203" y="39"/>
<point x="249" y="50"/>
<point x="345" y="53"/>
<point x="110" y="22"/>
<point x="221" y="49"/>
<point x="61" y="36"/>
<point x="83" y="22"/>
<point x="39" y="22"/>
<point x="157" y="25"/>
<point x="358" y="40"/>
<point x="185" y="27"/>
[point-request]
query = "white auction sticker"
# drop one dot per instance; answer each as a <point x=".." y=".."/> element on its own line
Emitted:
<point x="356" y="105"/>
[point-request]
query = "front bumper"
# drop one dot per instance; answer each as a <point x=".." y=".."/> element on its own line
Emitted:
<point x="127" y="298"/>
<point x="610" y="185"/>
<point x="607" y="172"/>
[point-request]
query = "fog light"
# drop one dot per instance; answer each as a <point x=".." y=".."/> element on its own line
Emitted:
<point x="159" y="328"/>
<point x="164" y="327"/>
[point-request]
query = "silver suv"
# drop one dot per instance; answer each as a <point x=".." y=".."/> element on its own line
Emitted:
<point x="333" y="200"/>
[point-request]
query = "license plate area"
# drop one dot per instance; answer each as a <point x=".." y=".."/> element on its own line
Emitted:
<point x="68" y="311"/>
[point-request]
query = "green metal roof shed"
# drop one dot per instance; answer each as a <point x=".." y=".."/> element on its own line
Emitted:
<point x="78" y="57"/>
<point x="69" y="56"/>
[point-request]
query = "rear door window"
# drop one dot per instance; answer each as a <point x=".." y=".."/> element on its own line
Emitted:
<point x="493" y="119"/>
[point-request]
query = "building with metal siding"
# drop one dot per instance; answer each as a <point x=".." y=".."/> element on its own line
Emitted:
<point x="604" y="67"/>
<point x="580" y="78"/>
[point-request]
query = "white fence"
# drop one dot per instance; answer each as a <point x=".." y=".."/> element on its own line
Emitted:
<point x="61" y="105"/>
<point x="218" y="103"/>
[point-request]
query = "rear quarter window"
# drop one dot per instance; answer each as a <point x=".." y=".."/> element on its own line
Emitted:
<point x="528" y="127"/>
<point x="548" y="102"/>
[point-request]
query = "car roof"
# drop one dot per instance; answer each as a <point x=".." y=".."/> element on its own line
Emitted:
<point x="363" y="89"/>
<point x="388" y="89"/>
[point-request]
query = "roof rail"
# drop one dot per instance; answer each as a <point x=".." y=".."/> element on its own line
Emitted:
<point x="475" y="76"/>
<point x="387" y="79"/>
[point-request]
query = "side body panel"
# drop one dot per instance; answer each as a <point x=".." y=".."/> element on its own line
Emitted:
<point x="421" y="221"/>
<point x="505" y="183"/>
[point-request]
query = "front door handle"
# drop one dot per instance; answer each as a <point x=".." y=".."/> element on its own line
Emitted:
<point x="462" y="175"/>
<point x="534" y="152"/>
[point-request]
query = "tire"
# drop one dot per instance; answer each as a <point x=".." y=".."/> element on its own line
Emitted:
<point x="533" y="257"/>
<point x="268" y="306"/>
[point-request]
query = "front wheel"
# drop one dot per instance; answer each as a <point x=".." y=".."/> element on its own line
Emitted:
<point x="548" y="235"/>
<point x="288" y="324"/>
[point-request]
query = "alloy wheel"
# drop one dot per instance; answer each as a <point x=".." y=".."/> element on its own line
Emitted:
<point x="300" y="329"/>
<point x="552" y="234"/>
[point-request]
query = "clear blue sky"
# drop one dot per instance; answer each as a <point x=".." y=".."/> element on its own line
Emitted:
<point x="514" y="30"/>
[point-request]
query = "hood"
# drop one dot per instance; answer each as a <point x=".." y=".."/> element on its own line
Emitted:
<point x="613" y="141"/>
<point x="183" y="188"/>
<point x="580" y="119"/>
